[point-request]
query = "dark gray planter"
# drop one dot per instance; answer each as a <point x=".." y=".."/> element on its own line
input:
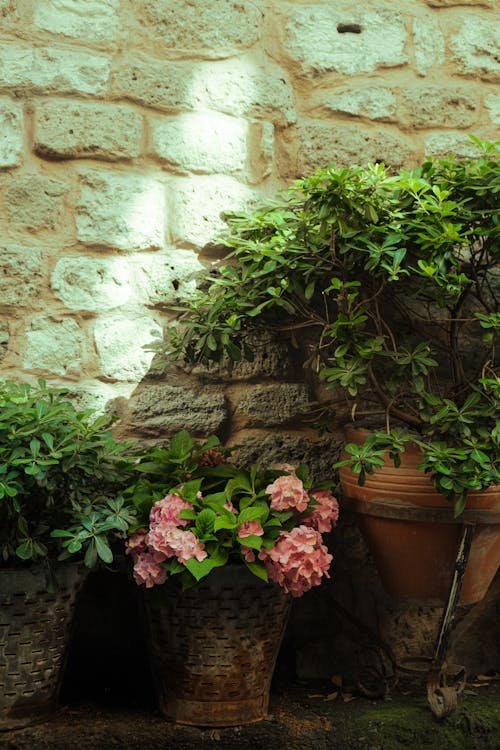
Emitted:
<point x="34" y="635"/>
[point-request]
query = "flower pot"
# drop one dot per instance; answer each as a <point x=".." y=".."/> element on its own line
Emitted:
<point x="214" y="647"/>
<point x="34" y="634"/>
<point x="411" y="532"/>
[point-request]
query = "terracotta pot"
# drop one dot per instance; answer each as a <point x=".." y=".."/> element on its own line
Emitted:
<point x="214" y="647"/>
<point x="34" y="635"/>
<point x="411" y="533"/>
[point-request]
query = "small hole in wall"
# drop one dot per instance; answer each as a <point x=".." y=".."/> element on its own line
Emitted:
<point x="175" y="284"/>
<point x="349" y="28"/>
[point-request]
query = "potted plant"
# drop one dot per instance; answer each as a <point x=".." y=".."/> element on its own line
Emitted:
<point x="393" y="281"/>
<point x="59" y="473"/>
<point x="219" y="551"/>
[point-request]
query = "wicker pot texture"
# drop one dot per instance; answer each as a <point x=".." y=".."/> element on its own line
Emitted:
<point x="34" y="635"/>
<point x="412" y="535"/>
<point x="214" y="647"/>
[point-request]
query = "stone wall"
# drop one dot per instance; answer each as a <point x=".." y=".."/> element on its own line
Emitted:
<point x="128" y="126"/>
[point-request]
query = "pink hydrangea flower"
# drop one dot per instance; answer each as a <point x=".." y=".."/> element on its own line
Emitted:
<point x="298" y="560"/>
<point x="248" y="553"/>
<point x="287" y="493"/>
<point x="250" y="528"/>
<point x="325" y="514"/>
<point x="166" y="511"/>
<point x="148" y="570"/>
<point x="136" y="542"/>
<point x="174" y="542"/>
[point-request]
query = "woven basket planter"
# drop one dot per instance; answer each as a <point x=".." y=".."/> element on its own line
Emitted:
<point x="34" y="634"/>
<point x="214" y="648"/>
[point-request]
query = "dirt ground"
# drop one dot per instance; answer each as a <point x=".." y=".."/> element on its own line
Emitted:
<point x="302" y="717"/>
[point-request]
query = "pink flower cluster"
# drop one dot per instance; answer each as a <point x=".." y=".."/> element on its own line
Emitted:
<point x="288" y="493"/>
<point x="163" y="540"/>
<point x="298" y="560"/>
<point x="325" y="514"/>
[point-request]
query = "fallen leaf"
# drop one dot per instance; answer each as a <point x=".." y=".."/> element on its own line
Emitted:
<point x="337" y="680"/>
<point x="347" y="697"/>
<point x="316" y="695"/>
<point x="487" y="677"/>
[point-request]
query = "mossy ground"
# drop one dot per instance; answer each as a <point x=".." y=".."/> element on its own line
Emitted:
<point x="297" y="721"/>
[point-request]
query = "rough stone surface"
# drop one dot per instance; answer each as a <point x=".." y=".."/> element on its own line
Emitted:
<point x="430" y="106"/>
<point x="374" y="102"/>
<point x="11" y="133"/>
<point x="345" y="145"/>
<point x="429" y="44"/>
<point x="196" y="204"/>
<point x="247" y="86"/>
<point x="201" y="142"/>
<point x="210" y="29"/>
<point x="269" y="405"/>
<point x="272" y="359"/>
<point x="52" y="69"/>
<point x="238" y="87"/>
<point x="120" y="342"/>
<point x="82" y="19"/>
<point x="167" y="277"/>
<point x="269" y="448"/>
<point x="120" y="210"/>
<point x="492" y="102"/>
<point x="164" y="409"/>
<point x="35" y="201"/>
<point x="99" y="396"/>
<point x="70" y="130"/>
<point x="21" y="275"/>
<point x="316" y="40"/>
<point x="53" y="345"/>
<point x="95" y="284"/>
<point x="476" y="48"/>
<point x="443" y="144"/>
<point x="4" y="338"/>
<point x="455" y="3"/>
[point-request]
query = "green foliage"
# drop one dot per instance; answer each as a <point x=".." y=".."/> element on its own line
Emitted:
<point x="396" y="281"/>
<point x="58" y="468"/>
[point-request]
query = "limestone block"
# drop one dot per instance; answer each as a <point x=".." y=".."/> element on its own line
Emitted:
<point x="51" y="69"/>
<point x="95" y="284"/>
<point x="346" y="39"/>
<point x="35" y="201"/>
<point x="476" y="48"/>
<point x="245" y="86"/>
<point x="196" y="204"/>
<point x="216" y="29"/>
<point x="164" y="409"/>
<point x="11" y="133"/>
<point x="74" y="130"/>
<point x="96" y="20"/>
<point x="144" y="79"/>
<point x="492" y="102"/>
<point x="167" y="277"/>
<point x="268" y="449"/>
<point x="120" y="210"/>
<point x="323" y="143"/>
<point x="53" y="344"/>
<point x="21" y="277"/>
<point x="98" y="396"/>
<point x="4" y="338"/>
<point x="268" y="405"/>
<point x="203" y="142"/>
<point x="429" y="44"/>
<point x="431" y="106"/>
<point x="373" y="102"/>
<point x="239" y="87"/>
<point x="444" y="144"/>
<point x="120" y="343"/>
